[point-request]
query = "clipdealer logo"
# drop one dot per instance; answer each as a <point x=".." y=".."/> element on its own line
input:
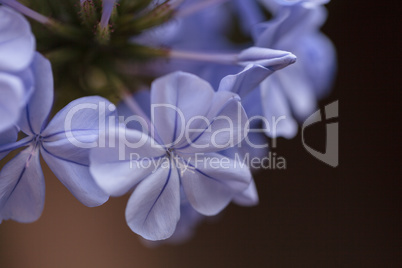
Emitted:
<point x="331" y="154"/>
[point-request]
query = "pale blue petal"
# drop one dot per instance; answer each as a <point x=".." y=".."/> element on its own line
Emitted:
<point x="71" y="149"/>
<point x="222" y="127"/>
<point x="288" y="26"/>
<point x="296" y="29"/>
<point x="28" y="79"/>
<point x="7" y="137"/>
<point x="246" y="81"/>
<point x="249" y="14"/>
<point x="76" y="178"/>
<point x="269" y="58"/>
<point x="76" y="128"/>
<point x="252" y="107"/>
<point x="272" y="5"/>
<point x="266" y="34"/>
<point x="189" y="220"/>
<point x="22" y="188"/>
<point x="153" y="209"/>
<point x="17" y="43"/>
<point x="67" y="140"/>
<point x="38" y="108"/>
<point x="175" y="99"/>
<point x="11" y="100"/>
<point x="248" y="197"/>
<point x="213" y="181"/>
<point x="299" y="90"/>
<point x="254" y="146"/>
<point x="280" y="122"/>
<point x="319" y="55"/>
<point x="118" y="168"/>
<point x="203" y="30"/>
<point x="296" y="2"/>
<point x="84" y="114"/>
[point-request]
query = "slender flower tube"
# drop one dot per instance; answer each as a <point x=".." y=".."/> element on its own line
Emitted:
<point x="274" y="59"/>
<point x="26" y="11"/>
<point x="107" y="10"/>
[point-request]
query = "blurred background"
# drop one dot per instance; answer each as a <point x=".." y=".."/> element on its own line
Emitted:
<point x="310" y="215"/>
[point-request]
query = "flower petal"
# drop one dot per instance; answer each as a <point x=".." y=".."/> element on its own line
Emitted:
<point x="296" y="29"/>
<point x="280" y="122"/>
<point x="319" y="55"/>
<point x="28" y="79"/>
<point x="288" y="26"/>
<point x="11" y="101"/>
<point x="299" y="90"/>
<point x="248" y="197"/>
<point x="38" y="108"/>
<point x="269" y="58"/>
<point x="185" y="228"/>
<point x="70" y="148"/>
<point x="222" y="127"/>
<point x="84" y="114"/>
<point x="6" y="137"/>
<point x="17" y="43"/>
<point x="76" y="178"/>
<point x="22" y="188"/>
<point x="173" y="104"/>
<point x="76" y="128"/>
<point x="246" y="81"/>
<point x="249" y="14"/>
<point x="118" y="168"/>
<point x="153" y="209"/>
<point x="213" y="181"/>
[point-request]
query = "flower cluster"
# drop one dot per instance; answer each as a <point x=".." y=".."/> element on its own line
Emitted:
<point x="198" y="86"/>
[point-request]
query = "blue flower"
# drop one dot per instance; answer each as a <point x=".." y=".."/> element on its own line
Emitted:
<point x="17" y="47"/>
<point x="173" y="164"/>
<point x="197" y="42"/>
<point x="242" y="83"/>
<point x="17" y="43"/>
<point x="292" y="92"/>
<point x="296" y="89"/>
<point x="63" y="144"/>
<point x="205" y="51"/>
<point x="181" y="150"/>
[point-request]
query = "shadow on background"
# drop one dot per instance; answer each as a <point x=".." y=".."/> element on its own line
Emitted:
<point x="310" y="215"/>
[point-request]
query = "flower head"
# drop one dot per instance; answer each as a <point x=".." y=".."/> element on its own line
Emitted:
<point x="22" y="188"/>
<point x="179" y="149"/>
<point x="191" y="124"/>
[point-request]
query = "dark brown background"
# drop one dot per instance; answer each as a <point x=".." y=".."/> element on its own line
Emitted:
<point x="310" y="215"/>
